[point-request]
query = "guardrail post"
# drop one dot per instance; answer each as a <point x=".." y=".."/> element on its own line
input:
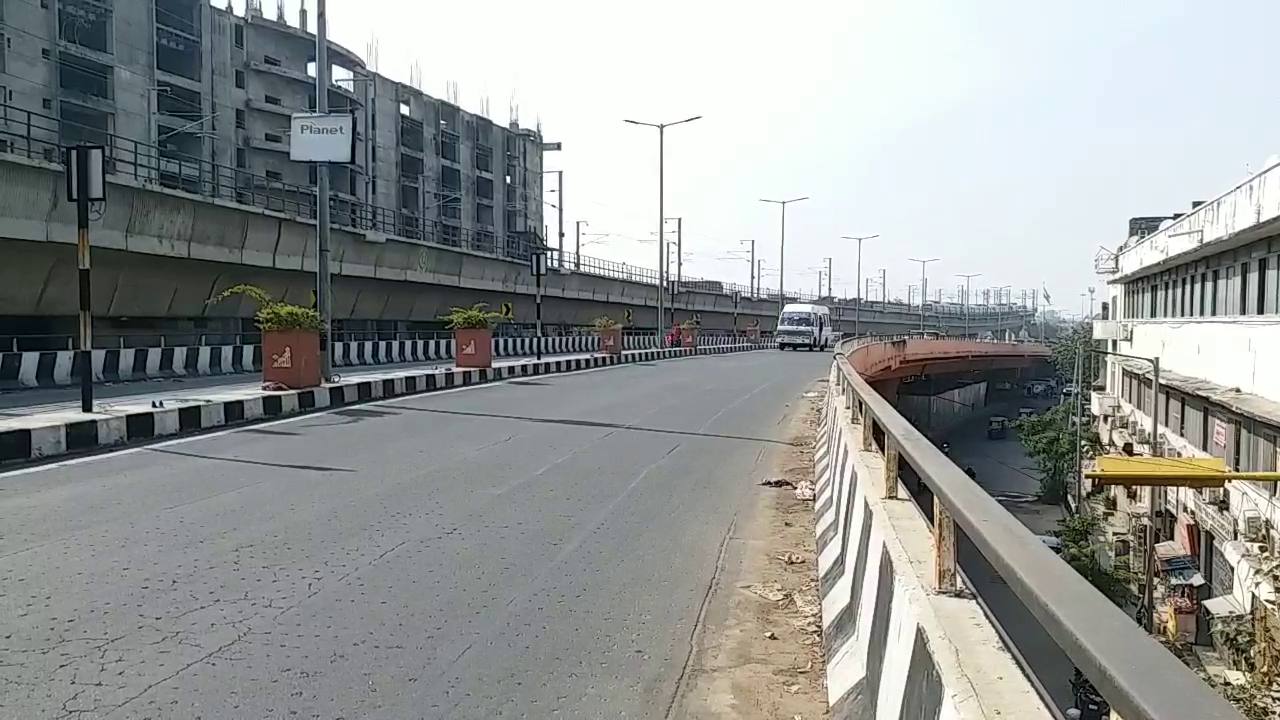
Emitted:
<point x="944" y="549"/>
<point x="865" y="436"/>
<point x="890" y="469"/>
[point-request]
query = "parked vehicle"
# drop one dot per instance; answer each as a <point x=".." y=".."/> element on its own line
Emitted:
<point x="805" y="326"/>
<point x="997" y="427"/>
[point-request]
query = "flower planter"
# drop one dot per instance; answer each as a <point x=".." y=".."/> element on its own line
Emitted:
<point x="611" y="341"/>
<point x="753" y="334"/>
<point x="291" y="358"/>
<point x="474" y="348"/>
<point x="689" y="337"/>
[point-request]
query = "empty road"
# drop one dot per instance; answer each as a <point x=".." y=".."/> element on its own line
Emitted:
<point x="537" y="548"/>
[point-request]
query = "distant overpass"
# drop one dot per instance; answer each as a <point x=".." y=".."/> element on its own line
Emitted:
<point x="160" y="254"/>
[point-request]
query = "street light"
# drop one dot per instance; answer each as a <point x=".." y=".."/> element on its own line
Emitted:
<point x="924" y="285"/>
<point x="1000" y="307"/>
<point x="967" y="277"/>
<point x="754" y="283"/>
<point x="782" y="248"/>
<point x="662" y="129"/>
<point x="857" y="307"/>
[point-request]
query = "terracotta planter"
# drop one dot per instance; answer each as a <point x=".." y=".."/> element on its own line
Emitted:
<point x="689" y="337"/>
<point x="474" y="348"/>
<point x="291" y="358"/>
<point x="753" y="334"/>
<point x="611" y="341"/>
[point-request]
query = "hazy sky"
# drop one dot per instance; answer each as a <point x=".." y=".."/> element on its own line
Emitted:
<point x="1006" y="137"/>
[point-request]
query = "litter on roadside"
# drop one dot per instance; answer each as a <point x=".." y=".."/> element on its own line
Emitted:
<point x="805" y="490"/>
<point x="777" y="483"/>
<point x="770" y="591"/>
<point x="790" y="558"/>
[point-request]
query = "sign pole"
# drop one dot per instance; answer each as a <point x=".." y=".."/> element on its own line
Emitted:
<point x="324" y="287"/>
<point x="538" y="264"/>
<point x="86" y="183"/>
<point x="737" y="297"/>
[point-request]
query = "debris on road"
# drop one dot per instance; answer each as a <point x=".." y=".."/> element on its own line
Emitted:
<point x="805" y="490"/>
<point x="770" y="591"/>
<point x="777" y="483"/>
<point x="791" y="558"/>
<point x="771" y="635"/>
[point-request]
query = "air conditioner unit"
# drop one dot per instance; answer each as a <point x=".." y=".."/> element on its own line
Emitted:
<point x="1212" y="496"/>
<point x="1253" y="524"/>
<point x="1172" y="452"/>
<point x="1132" y="427"/>
<point x="1143" y="435"/>
<point x="1126" y="332"/>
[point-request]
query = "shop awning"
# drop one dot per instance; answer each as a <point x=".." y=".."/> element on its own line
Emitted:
<point x="1222" y="606"/>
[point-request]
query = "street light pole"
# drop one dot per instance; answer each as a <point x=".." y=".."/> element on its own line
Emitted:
<point x="752" y="282"/>
<point x="967" y="277"/>
<point x="324" y="280"/>
<point x="577" y="242"/>
<point x="857" y="307"/>
<point x="1000" y="308"/>
<point x="829" y="277"/>
<point x="662" y="130"/>
<point x="782" y="249"/>
<point x="924" y="286"/>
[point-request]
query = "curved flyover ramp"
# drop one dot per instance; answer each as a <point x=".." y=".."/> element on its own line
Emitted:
<point x="905" y="635"/>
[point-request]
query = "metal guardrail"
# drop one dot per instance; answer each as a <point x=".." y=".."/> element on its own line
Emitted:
<point x="43" y="137"/>
<point x="1138" y="677"/>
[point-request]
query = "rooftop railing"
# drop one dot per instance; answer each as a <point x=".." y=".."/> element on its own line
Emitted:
<point x="1139" y="678"/>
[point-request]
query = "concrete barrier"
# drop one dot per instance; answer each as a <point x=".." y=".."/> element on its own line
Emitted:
<point x="893" y="647"/>
<point x="937" y="415"/>
<point x="57" y="368"/>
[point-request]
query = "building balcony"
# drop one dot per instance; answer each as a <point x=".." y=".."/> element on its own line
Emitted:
<point x="261" y="144"/>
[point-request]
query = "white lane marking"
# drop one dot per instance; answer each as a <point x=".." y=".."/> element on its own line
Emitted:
<point x="97" y="457"/>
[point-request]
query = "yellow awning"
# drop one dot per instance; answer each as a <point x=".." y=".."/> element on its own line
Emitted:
<point x="1162" y="471"/>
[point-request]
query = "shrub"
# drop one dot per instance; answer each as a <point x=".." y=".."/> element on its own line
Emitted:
<point x="605" y="323"/>
<point x="475" y="317"/>
<point x="273" y="314"/>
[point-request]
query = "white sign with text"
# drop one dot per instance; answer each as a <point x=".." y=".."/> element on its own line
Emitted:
<point x="314" y="137"/>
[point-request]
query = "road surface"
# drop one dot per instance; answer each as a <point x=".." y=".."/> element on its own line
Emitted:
<point x="1004" y="470"/>
<point x="534" y="548"/>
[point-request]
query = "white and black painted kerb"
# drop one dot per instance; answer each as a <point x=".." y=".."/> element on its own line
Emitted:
<point x="879" y="662"/>
<point x="28" y="444"/>
<point x="58" y="368"/>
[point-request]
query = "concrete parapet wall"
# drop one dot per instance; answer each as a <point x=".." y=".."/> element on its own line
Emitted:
<point x="936" y="415"/>
<point x="893" y="647"/>
<point x="163" y="253"/>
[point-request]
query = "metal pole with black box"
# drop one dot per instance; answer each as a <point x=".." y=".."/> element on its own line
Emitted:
<point x="538" y="266"/>
<point x="86" y="183"/>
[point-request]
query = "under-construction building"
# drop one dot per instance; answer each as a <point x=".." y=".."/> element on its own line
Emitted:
<point x="195" y="98"/>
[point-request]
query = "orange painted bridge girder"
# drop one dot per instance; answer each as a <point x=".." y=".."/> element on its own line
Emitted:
<point x="891" y="359"/>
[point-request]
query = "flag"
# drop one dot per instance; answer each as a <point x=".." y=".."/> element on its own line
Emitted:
<point x="1047" y="300"/>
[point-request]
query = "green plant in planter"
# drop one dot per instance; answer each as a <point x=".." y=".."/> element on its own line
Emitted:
<point x="273" y="314"/>
<point x="476" y="317"/>
<point x="691" y="324"/>
<point x="605" y="323"/>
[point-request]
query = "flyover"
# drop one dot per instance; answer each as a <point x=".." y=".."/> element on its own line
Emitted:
<point x="161" y="254"/>
<point x="916" y="560"/>
<point x="888" y="362"/>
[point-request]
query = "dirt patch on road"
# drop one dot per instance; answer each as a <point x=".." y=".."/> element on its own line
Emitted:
<point x="760" y="653"/>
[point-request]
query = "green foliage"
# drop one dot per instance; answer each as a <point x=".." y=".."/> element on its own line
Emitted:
<point x="1050" y="440"/>
<point x="476" y="317"/>
<point x="273" y="314"/>
<point x="604" y="323"/>
<point x="1082" y="551"/>
<point x="1235" y="634"/>
<point x="1063" y="355"/>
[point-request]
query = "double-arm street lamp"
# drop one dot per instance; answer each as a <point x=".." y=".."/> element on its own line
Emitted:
<point x="857" y="307"/>
<point x="782" y="248"/>
<point x="662" y="129"/>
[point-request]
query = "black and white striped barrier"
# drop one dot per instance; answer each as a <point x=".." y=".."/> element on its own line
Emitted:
<point x="56" y="368"/>
<point x="893" y="647"/>
<point x="54" y="434"/>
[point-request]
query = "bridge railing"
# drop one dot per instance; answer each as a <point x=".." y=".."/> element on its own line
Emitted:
<point x="1139" y="678"/>
<point x="36" y="136"/>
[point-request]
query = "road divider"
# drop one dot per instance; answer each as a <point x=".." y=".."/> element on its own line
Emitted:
<point x="36" y="437"/>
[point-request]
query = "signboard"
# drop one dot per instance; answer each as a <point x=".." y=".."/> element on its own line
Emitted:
<point x="314" y="137"/>
<point x="1219" y="433"/>
<point x="508" y="311"/>
<point x="630" y="316"/>
<point x="551" y="147"/>
<point x="1141" y="227"/>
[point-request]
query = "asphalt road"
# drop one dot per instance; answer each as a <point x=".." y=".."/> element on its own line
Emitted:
<point x="536" y="548"/>
<point x="1003" y="469"/>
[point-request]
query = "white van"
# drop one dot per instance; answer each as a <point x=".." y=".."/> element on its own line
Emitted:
<point x="805" y="326"/>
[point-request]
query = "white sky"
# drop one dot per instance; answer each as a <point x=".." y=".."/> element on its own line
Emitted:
<point x="1005" y="137"/>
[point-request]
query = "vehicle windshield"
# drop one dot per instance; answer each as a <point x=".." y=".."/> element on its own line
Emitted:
<point x="796" y="319"/>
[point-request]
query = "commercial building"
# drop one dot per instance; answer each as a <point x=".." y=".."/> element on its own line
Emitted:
<point x="195" y="98"/>
<point x="1201" y="292"/>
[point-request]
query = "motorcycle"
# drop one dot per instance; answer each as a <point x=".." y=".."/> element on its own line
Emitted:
<point x="946" y="448"/>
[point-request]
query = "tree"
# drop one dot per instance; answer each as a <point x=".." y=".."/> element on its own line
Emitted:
<point x="1079" y="535"/>
<point x="1050" y="441"/>
<point x="1079" y="338"/>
